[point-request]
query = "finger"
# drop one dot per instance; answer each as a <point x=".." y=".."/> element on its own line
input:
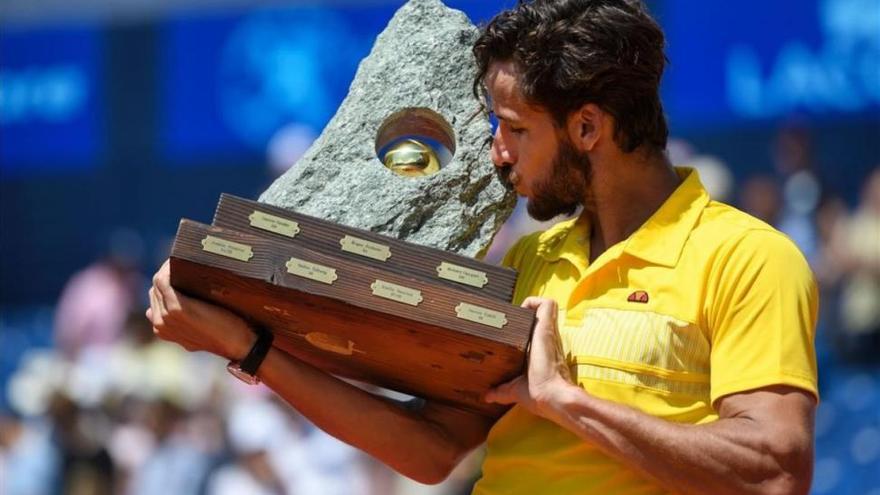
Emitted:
<point x="505" y="393"/>
<point x="156" y="308"/>
<point x="164" y="269"/>
<point x="545" y="346"/>
<point x="149" y="314"/>
<point x="532" y="302"/>
<point x="160" y="302"/>
<point x="167" y="294"/>
<point x="546" y="309"/>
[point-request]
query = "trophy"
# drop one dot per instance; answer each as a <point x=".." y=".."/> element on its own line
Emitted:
<point x="360" y="259"/>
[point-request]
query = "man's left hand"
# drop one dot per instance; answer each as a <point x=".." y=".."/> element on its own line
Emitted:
<point x="548" y="375"/>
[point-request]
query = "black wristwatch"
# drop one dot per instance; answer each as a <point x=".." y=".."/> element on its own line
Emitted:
<point x="246" y="369"/>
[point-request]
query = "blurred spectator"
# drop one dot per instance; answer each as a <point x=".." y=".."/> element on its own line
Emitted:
<point x="715" y="176"/>
<point x="80" y="436"/>
<point x="96" y="301"/>
<point x="760" y="197"/>
<point x="175" y="466"/>
<point x="714" y="173"/>
<point x="860" y="299"/>
<point x="141" y="366"/>
<point x="255" y="430"/>
<point x="275" y="451"/>
<point x="832" y="218"/>
<point x="831" y="221"/>
<point x="29" y="462"/>
<point x="793" y="159"/>
<point x="315" y="462"/>
<point x="130" y="443"/>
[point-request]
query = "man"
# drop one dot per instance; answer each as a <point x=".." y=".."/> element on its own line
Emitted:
<point x="673" y="346"/>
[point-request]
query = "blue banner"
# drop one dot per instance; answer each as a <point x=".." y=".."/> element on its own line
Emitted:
<point x="750" y="61"/>
<point x="51" y="99"/>
<point x="230" y="84"/>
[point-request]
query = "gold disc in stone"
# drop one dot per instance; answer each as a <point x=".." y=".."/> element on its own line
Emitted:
<point x="411" y="158"/>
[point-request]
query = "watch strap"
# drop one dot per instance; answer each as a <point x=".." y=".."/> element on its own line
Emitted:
<point x="252" y="361"/>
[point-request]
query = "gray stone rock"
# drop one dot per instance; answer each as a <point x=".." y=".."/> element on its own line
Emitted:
<point x="423" y="59"/>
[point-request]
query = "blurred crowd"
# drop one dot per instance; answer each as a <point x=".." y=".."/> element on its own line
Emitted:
<point x="124" y="413"/>
<point x="104" y="408"/>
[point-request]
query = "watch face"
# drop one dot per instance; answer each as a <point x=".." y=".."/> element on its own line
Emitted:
<point x="235" y="370"/>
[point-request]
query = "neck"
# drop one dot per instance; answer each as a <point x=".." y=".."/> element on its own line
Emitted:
<point x="626" y="190"/>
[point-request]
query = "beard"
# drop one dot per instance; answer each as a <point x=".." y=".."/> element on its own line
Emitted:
<point x="567" y="186"/>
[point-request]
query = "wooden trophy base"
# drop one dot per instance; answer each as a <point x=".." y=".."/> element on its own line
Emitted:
<point x="359" y="320"/>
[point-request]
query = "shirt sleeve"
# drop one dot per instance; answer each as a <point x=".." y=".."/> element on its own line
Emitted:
<point x="761" y="310"/>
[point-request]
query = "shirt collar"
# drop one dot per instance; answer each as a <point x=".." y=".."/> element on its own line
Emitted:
<point x="567" y="240"/>
<point x="659" y="240"/>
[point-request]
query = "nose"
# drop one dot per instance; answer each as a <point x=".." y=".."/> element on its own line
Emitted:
<point x="501" y="154"/>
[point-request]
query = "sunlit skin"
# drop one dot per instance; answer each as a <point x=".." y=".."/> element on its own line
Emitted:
<point x="527" y="143"/>
<point x="619" y="195"/>
<point x="761" y="443"/>
<point x="525" y="138"/>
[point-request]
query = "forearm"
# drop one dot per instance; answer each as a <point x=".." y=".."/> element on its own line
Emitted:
<point x="729" y="456"/>
<point x="408" y="441"/>
<point x="424" y="445"/>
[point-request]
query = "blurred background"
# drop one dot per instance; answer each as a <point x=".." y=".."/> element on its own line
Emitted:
<point x="119" y="118"/>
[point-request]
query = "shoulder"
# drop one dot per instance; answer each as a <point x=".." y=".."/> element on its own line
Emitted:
<point x="749" y="260"/>
<point x="732" y="234"/>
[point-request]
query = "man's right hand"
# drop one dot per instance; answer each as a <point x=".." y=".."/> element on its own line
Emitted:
<point x="194" y="324"/>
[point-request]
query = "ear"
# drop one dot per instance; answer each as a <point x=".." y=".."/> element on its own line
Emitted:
<point x="587" y="125"/>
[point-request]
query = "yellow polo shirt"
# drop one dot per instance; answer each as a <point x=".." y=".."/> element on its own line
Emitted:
<point x="701" y="302"/>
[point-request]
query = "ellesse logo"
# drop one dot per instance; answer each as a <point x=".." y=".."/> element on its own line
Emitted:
<point x="638" y="296"/>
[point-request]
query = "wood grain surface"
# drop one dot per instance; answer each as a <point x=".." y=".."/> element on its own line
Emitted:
<point x="407" y="259"/>
<point x="423" y="350"/>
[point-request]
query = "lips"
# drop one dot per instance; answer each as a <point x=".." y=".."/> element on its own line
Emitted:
<point x="509" y="178"/>
<point x="504" y="176"/>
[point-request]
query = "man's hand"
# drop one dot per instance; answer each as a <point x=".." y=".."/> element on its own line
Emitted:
<point x="194" y="324"/>
<point x="548" y="375"/>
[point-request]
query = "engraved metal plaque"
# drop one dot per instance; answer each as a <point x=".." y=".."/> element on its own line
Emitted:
<point x="311" y="271"/>
<point x="396" y="292"/>
<point x="230" y="249"/>
<point x="481" y="315"/>
<point x="272" y="223"/>
<point x="365" y="248"/>
<point x="462" y="275"/>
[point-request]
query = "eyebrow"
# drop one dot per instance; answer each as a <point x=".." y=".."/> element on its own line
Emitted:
<point x="508" y="119"/>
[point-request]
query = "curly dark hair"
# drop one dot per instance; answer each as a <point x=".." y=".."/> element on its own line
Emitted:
<point x="572" y="52"/>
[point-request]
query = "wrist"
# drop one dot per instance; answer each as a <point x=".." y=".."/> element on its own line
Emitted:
<point x="245" y="368"/>
<point x="561" y="394"/>
<point x="242" y="344"/>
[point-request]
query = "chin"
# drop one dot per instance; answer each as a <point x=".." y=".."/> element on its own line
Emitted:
<point x="545" y="213"/>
